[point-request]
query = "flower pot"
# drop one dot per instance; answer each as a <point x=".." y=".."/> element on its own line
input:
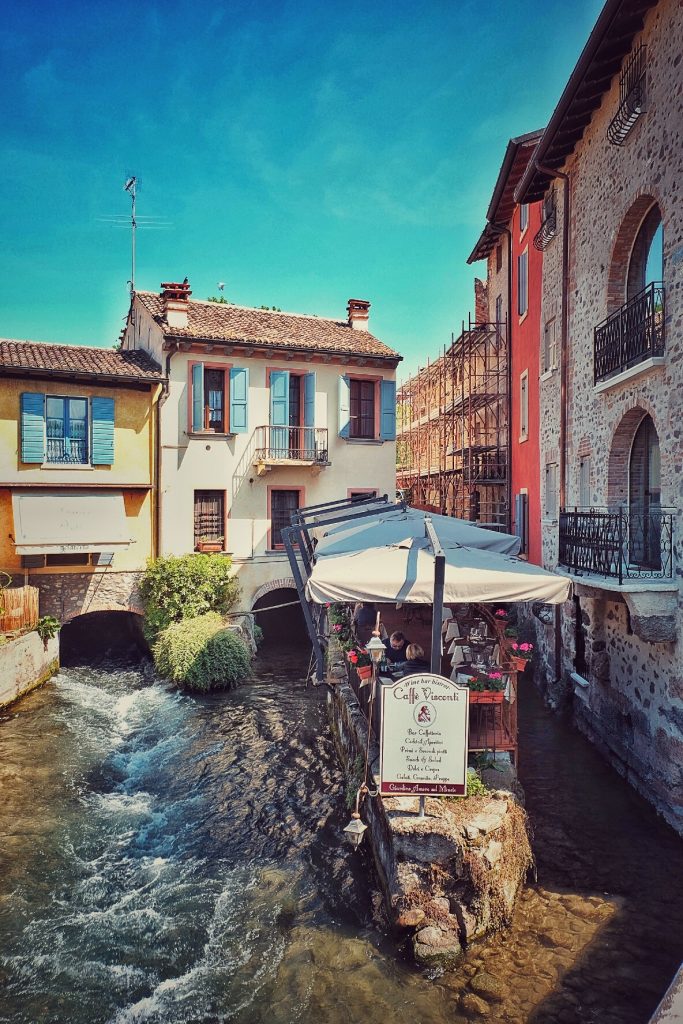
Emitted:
<point x="487" y="696"/>
<point x="208" y="546"/>
<point x="364" y="671"/>
<point x="519" y="664"/>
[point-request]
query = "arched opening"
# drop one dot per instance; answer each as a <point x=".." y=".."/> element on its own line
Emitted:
<point x="280" y="624"/>
<point x="646" y="265"/>
<point x="102" y="636"/>
<point x="644" y="486"/>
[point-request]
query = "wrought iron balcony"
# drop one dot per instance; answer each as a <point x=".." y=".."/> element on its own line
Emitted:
<point x="631" y="98"/>
<point x="631" y="335"/>
<point x="548" y="228"/>
<point x="287" y="445"/>
<point x="619" y="543"/>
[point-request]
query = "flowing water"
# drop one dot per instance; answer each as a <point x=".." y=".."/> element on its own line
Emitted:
<point x="168" y="858"/>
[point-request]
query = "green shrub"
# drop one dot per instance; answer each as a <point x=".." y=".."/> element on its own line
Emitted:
<point x="47" y="627"/>
<point x="258" y="635"/>
<point x="174" y="589"/>
<point x="201" y="653"/>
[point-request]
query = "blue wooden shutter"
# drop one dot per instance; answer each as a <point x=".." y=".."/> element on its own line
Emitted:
<point x="279" y="413"/>
<point x="32" y="427"/>
<point x="309" y="415"/>
<point x="239" y="398"/>
<point x="387" y="407"/>
<point x="344" y="407"/>
<point x="197" y="397"/>
<point x="102" y="431"/>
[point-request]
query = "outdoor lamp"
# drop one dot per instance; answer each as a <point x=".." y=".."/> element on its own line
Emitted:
<point x="375" y="648"/>
<point x="355" y="830"/>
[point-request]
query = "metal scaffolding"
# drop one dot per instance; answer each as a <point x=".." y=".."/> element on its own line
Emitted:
<point x="453" y="430"/>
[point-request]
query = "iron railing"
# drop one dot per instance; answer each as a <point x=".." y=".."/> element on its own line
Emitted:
<point x="61" y="450"/>
<point x="291" y="444"/>
<point x="631" y="98"/>
<point x="620" y="543"/>
<point x="631" y="335"/>
<point x="548" y="228"/>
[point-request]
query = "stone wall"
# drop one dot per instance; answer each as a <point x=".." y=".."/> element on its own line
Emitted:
<point x="66" y="595"/>
<point x="26" y="663"/>
<point x="630" y="700"/>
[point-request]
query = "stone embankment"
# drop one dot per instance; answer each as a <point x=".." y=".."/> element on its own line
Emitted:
<point x="450" y="877"/>
<point x="25" y="663"/>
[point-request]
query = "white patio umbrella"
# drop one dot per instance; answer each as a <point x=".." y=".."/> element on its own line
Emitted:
<point x="400" y="527"/>
<point x="405" y="573"/>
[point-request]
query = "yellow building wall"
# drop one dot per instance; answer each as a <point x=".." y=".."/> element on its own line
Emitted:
<point x="134" y="463"/>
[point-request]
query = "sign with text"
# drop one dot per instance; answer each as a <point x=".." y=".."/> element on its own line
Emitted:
<point x="423" y="741"/>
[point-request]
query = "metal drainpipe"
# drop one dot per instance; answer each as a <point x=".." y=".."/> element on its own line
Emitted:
<point x="552" y="173"/>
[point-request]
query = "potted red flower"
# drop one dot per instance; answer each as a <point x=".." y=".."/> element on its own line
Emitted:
<point x="488" y="688"/>
<point x="521" y="655"/>
<point x="361" y="661"/>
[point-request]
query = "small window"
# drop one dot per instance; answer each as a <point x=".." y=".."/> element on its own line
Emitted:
<point x="214" y="400"/>
<point x="523" y="282"/>
<point x="580" y="663"/>
<point x="585" y="482"/>
<point x="550" y="346"/>
<point x="499" y="257"/>
<point x="282" y="505"/>
<point x="523" y="217"/>
<point x="524" y="406"/>
<point x="521" y="524"/>
<point x="499" y="309"/>
<point x="362" y="408"/>
<point x="67" y="430"/>
<point x="362" y="495"/>
<point x="209" y="518"/>
<point x="551" y="490"/>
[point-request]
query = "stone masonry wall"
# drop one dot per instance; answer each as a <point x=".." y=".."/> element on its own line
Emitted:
<point x="66" y="595"/>
<point x="633" y="705"/>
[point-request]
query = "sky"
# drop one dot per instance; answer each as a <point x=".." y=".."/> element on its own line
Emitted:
<point x="302" y="153"/>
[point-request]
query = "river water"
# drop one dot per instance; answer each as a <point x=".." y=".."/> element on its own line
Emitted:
<point x="168" y="858"/>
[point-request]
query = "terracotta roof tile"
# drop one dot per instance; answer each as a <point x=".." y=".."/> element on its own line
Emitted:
<point x="217" y="321"/>
<point x="77" y="359"/>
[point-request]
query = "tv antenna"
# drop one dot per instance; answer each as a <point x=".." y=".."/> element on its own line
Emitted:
<point x="131" y="186"/>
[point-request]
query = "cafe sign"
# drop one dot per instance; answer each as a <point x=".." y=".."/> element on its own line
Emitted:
<point x="424" y="737"/>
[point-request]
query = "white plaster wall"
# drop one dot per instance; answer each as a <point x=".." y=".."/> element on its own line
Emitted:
<point x="26" y="663"/>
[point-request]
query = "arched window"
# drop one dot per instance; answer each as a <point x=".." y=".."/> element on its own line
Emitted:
<point x="644" y="481"/>
<point x="646" y="264"/>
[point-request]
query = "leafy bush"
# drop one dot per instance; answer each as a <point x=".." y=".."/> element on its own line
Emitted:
<point x="201" y="653"/>
<point x="258" y="635"/>
<point x="47" y="627"/>
<point x="182" y="588"/>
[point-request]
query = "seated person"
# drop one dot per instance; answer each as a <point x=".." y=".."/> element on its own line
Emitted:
<point x="415" y="660"/>
<point x="396" y="646"/>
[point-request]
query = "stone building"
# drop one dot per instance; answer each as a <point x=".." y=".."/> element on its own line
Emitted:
<point x="611" y="436"/>
<point x="77" y="473"/>
<point x="265" y="412"/>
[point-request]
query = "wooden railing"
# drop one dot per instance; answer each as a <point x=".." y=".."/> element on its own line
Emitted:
<point x="18" y="608"/>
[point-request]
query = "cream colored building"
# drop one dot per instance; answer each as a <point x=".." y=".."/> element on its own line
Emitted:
<point x="265" y="412"/>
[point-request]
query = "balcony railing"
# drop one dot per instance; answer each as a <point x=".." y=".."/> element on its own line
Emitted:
<point x="548" y="228"/>
<point x="631" y="98"/>
<point x="620" y="543"/>
<point x="631" y="335"/>
<point x="291" y="444"/>
<point x="68" y="452"/>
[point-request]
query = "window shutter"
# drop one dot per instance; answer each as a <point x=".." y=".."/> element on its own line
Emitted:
<point x="102" y="431"/>
<point x="309" y="415"/>
<point x="344" y="407"/>
<point x="521" y="520"/>
<point x="387" y="410"/>
<point x="239" y="397"/>
<point x="279" y="412"/>
<point x="32" y="427"/>
<point x="197" y="397"/>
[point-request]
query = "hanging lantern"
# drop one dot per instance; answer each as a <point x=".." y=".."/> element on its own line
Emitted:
<point x="355" y="830"/>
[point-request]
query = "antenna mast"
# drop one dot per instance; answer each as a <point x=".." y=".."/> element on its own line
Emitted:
<point x="131" y="188"/>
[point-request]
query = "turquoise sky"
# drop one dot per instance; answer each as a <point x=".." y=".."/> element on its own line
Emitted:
<point x="303" y="153"/>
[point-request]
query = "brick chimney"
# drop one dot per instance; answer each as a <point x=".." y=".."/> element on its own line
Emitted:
<point x="176" y="299"/>
<point x="359" y="314"/>
<point x="481" y="302"/>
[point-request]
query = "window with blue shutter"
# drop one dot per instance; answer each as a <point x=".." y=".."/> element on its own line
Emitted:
<point x="102" y="431"/>
<point x="388" y="410"/>
<point x="344" y="407"/>
<point x="32" y="427"/>
<point x="309" y="416"/>
<point x="197" y="397"/>
<point x="279" y="413"/>
<point x="239" y="399"/>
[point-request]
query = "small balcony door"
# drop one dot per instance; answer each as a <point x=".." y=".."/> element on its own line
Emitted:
<point x="645" y="497"/>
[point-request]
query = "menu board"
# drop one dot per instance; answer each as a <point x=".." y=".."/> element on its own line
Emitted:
<point x="423" y="738"/>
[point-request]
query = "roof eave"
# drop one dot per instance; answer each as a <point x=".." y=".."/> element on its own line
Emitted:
<point x="173" y="340"/>
<point x="109" y="378"/>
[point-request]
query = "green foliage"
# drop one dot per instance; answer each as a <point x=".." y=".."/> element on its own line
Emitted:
<point x="182" y="588"/>
<point x="47" y="627"/>
<point x="218" y="298"/>
<point x="475" y="787"/>
<point x="258" y="635"/>
<point x="276" y="309"/>
<point x="201" y="653"/>
<point x="354" y="779"/>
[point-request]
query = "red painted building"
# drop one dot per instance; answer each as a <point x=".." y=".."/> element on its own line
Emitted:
<point x="513" y="289"/>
